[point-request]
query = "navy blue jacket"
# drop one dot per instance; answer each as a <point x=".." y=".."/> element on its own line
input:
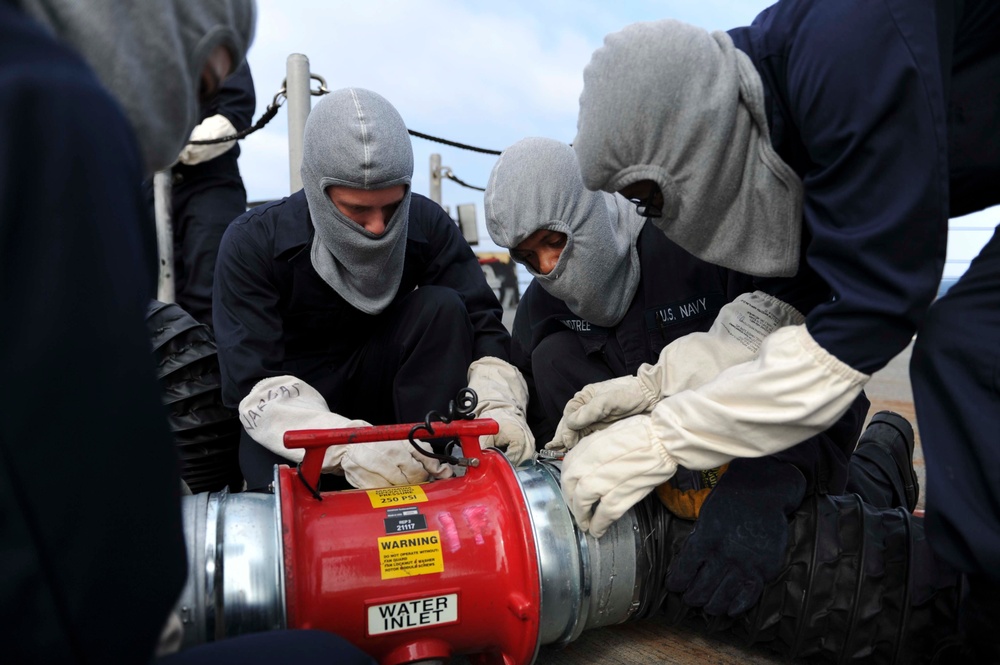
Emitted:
<point x="91" y="544"/>
<point x="274" y="315"/>
<point x="677" y="294"/>
<point x="236" y="101"/>
<point x="856" y="105"/>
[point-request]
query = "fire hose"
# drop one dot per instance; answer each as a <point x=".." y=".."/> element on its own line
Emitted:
<point x="491" y="565"/>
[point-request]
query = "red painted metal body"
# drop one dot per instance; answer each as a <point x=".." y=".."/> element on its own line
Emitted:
<point x="418" y="572"/>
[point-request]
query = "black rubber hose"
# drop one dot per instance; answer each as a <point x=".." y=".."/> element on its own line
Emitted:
<point x="206" y="432"/>
<point x="860" y="584"/>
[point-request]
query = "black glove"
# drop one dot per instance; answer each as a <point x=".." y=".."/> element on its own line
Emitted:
<point x="739" y="540"/>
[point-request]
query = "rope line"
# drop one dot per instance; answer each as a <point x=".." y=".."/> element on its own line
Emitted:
<point x="268" y="115"/>
<point x="453" y="144"/>
<point x="272" y="110"/>
<point x="451" y="176"/>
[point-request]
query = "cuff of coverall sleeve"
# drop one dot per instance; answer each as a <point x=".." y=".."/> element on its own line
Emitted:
<point x="669" y="462"/>
<point x="795" y="316"/>
<point x="826" y="359"/>
<point x="650" y="393"/>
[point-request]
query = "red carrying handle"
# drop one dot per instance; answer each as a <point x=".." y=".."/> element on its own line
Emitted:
<point x="316" y="441"/>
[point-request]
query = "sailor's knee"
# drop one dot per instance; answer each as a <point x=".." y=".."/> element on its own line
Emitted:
<point x="556" y="352"/>
<point x="440" y="297"/>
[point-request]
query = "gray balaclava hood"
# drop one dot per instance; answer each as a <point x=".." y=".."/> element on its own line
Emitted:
<point x="356" y="138"/>
<point x="672" y="103"/>
<point x="536" y="185"/>
<point x="150" y="54"/>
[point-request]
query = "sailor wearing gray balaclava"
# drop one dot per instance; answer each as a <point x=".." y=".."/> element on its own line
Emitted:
<point x="675" y="116"/>
<point x="357" y="301"/>
<point x="354" y="138"/>
<point x="536" y="185"/>
<point x="704" y="140"/>
<point x="151" y="56"/>
<point x="821" y="126"/>
<point x="886" y="112"/>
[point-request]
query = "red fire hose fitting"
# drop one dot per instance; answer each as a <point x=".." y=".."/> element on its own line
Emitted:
<point x="381" y="566"/>
<point x="488" y="564"/>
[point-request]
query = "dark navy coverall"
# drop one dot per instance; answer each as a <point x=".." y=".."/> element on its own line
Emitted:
<point x="274" y="316"/>
<point x="206" y="198"/>
<point x="891" y="134"/>
<point x="91" y="544"/>
<point x="558" y="353"/>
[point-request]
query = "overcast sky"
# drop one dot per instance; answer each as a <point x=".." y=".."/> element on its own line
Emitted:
<point x="483" y="74"/>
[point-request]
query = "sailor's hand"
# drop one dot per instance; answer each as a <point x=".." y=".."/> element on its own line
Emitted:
<point x="610" y="471"/>
<point x="598" y="404"/>
<point x="739" y="542"/>
<point x="514" y="439"/>
<point x="503" y="396"/>
<point x="212" y="127"/>
<point x="386" y="463"/>
<point x="735" y="337"/>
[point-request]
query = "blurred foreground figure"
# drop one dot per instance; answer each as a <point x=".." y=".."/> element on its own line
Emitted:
<point x="93" y="97"/>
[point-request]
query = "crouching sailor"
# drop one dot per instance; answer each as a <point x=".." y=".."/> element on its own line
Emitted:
<point x="356" y="301"/>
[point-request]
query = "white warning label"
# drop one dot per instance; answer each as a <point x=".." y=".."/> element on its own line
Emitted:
<point x="391" y="617"/>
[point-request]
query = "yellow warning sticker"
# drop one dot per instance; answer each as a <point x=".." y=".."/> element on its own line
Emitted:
<point x="396" y="496"/>
<point x="410" y="554"/>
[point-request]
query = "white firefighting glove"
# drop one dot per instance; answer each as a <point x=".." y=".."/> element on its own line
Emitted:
<point x="794" y="389"/>
<point x="281" y="403"/>
<point x="368" y="465"/>
<point x="503" y="396"/>
<point x="688" y="362"/>
<point x="171" y="636"/>
<point x="610" y="471"/>
<point x="212" y="127"/>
